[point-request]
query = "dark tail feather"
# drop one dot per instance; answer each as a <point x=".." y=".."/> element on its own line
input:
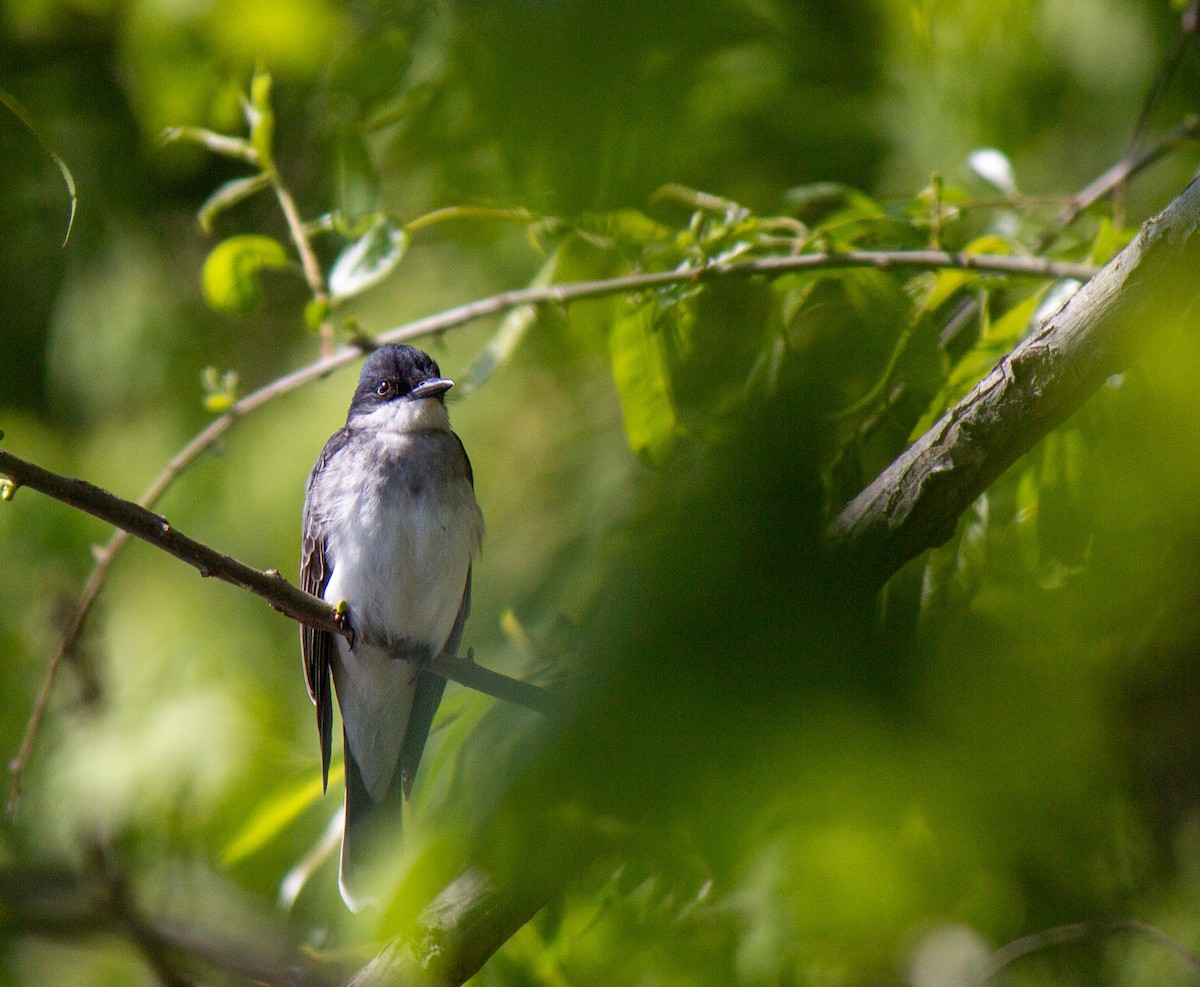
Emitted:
<point x="427" y="698"/>
<point x="371" y="829"/>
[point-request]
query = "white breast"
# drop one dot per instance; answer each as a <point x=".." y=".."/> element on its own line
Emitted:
<point x="400" y="559"/>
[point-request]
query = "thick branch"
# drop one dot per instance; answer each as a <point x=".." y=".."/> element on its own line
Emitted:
<point x="915" y="503"/>
<point x="282" y="595"/>
<point x="461" y="928"/>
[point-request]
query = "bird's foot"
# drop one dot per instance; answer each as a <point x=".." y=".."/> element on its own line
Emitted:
<point x="341" y="614"/>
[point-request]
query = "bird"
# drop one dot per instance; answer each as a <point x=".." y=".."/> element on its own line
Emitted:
<point x="391" y="530"/>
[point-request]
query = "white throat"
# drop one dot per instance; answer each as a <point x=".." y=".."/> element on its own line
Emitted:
<point x="403" y="416"/>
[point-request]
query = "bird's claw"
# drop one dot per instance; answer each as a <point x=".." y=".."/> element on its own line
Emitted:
<point x="341" y="614"/>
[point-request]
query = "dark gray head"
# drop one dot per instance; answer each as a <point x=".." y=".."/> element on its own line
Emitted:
<point x="397" y="373"/>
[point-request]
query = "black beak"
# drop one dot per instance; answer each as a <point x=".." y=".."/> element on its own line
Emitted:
<point x="432" y="388"/>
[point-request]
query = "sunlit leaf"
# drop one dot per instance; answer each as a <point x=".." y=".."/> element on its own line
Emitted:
<point x="368" y="260"/>
<point x="315" y="312"/>
<point x="994" y="168"/>
<point x="19" y="111"/>
<point x="220" y="390"/>
<point x="1012" y="325"/>
<point x="996" y="338"/>
<point x="228" y="195"/>
<point x="640" y="370"/>
<point x="1110" y="240"/>
<point x="276" y="812"/>
<point x="947" y="282"/>
<point x="231" y="271"/>
<point x="261" y="118"/>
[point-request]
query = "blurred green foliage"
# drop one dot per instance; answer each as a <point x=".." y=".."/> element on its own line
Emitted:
<point x="790" y="784"/>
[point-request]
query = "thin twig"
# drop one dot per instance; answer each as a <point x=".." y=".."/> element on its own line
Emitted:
<point x="308" y="258"/>
<point x="1136" y="159"/>
<point x="282" y="595"/>
<point x="1170" y="62"/>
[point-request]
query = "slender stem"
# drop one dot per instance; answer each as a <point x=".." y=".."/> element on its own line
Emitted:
<point x="1134" y="161"/>
<point x="308" y="258"/>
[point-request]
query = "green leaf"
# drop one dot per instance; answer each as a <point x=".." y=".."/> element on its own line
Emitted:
<point x="274" y="814"/>
<point x="368" y="260"/>
<point x="357" y="183"/>
<point x="315" y="312"/>
<point x="623" y="225"/>
<point x="1110" y="241"/>
<point x="228" y="195"/>
<point x="16" y="109"/>
<point x="262" y="119"/>
<point x="220" y="390"/>
<point x="640" y="371"/>
<point x="231" y="271"/>
<point x="947" y="282"/>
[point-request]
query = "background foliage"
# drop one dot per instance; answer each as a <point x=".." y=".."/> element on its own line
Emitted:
<point x="786" y="792"/>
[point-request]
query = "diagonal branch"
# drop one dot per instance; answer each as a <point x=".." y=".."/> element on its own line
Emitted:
<point x="915" y="503"/>
<point x="269" y="584"/>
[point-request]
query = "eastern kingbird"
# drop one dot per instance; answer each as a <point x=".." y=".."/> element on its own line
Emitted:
<point x="391" y="527"/>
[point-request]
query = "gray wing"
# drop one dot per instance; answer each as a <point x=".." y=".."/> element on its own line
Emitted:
<point x="317" y="648"/>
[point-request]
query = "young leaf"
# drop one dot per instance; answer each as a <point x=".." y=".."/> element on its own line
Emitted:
<point x="368" y="260"/>
<point x="228" y="195"/>
<point x="261" y="118"/>
<point x="640" y="371"/>
<point x="1110" y="241"/>
<point x="231" y="272"/>
<point x="947" y="282"/>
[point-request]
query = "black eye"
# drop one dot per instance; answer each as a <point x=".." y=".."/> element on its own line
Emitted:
<point x="384" y="388"/>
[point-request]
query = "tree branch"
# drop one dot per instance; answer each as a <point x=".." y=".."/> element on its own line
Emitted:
<point x="914" y="504"/>
<point x="269" y="584"/>
<point x="462" y="927"/>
